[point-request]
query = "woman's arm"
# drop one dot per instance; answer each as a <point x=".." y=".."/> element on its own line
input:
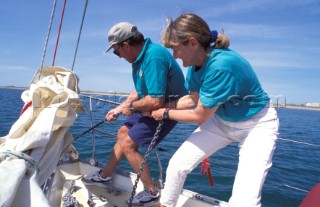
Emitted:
<point x="197" y="116"/>
<point x="187" y="102"/>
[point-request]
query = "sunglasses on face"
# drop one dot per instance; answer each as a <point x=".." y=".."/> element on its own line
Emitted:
<point x="116" y="52"/>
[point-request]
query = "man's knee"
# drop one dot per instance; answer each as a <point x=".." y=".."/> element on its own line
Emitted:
<point x="122" y="132"/>
<point x="127" y="145"/>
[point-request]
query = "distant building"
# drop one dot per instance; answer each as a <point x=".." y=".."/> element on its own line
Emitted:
<point x="312" y="104"/>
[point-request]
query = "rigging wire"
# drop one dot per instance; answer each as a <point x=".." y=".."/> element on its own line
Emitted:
<point x="48" y="34"/>
<point x="58" y="37"/>
<point x="47" y="37"/>
<point x="83" y="16"/>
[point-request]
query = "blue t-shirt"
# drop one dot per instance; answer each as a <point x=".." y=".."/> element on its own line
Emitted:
<point x="156" y="73"/>
<point x="227" y="80"/>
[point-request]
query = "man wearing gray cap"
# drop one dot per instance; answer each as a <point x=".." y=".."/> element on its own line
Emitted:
<point x="158" y="80"/>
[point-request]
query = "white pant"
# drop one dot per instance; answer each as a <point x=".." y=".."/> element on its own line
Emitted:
<point x="257" y="141"/>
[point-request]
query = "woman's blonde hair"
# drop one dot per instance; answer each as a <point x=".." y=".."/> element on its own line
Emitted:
<point x="189" y="25"/>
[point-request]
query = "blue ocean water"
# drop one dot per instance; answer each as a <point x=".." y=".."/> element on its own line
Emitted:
<point x="296" y="165"/>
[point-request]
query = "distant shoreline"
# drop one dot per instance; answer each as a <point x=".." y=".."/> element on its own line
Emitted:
<point x="124" y="94"/>
<point x="81" y="92"/>
<point x="301" y="107"/>
<point x="14" y="87"/>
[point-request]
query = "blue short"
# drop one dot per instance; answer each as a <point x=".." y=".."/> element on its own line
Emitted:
<point x="142" y="129"/>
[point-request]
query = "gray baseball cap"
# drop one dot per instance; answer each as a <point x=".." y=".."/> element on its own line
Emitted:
<point x="120" y="32"/>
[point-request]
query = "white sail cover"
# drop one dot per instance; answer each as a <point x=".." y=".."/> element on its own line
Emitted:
<point x="30" y="152"/>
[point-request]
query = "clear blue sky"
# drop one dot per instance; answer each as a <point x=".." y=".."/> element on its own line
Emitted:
<point x="281" y="39"/>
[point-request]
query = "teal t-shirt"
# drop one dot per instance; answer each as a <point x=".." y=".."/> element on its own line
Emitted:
<point x="156" y="73"/>
<point x="227" y="80"/>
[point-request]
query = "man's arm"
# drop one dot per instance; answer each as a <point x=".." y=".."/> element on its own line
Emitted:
<point x="198" y="115"/>
<point x="148" y="103"/>
<point x="123" y="107"/>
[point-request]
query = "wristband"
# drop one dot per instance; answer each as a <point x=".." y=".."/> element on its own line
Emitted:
<point x="166" y="113"/>
<point x="131" y="107"/>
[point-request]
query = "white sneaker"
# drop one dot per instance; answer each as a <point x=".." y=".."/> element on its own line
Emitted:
<point x="97" y="180"/>
<point x="145" y="198"/>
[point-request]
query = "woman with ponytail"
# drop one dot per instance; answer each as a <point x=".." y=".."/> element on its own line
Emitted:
<point x="227" y="101"/>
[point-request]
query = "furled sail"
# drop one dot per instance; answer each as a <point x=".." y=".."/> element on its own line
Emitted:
<point x="31" y="150"/>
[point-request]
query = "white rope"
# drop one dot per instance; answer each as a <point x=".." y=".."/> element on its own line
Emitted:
<point x="289" y="186"/>
<point x="290" y="140"/>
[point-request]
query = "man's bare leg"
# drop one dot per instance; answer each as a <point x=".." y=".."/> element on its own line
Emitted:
<point x="117" y="154"/>
<point x="135" y="158"/>
<point x="126" y="147"/>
